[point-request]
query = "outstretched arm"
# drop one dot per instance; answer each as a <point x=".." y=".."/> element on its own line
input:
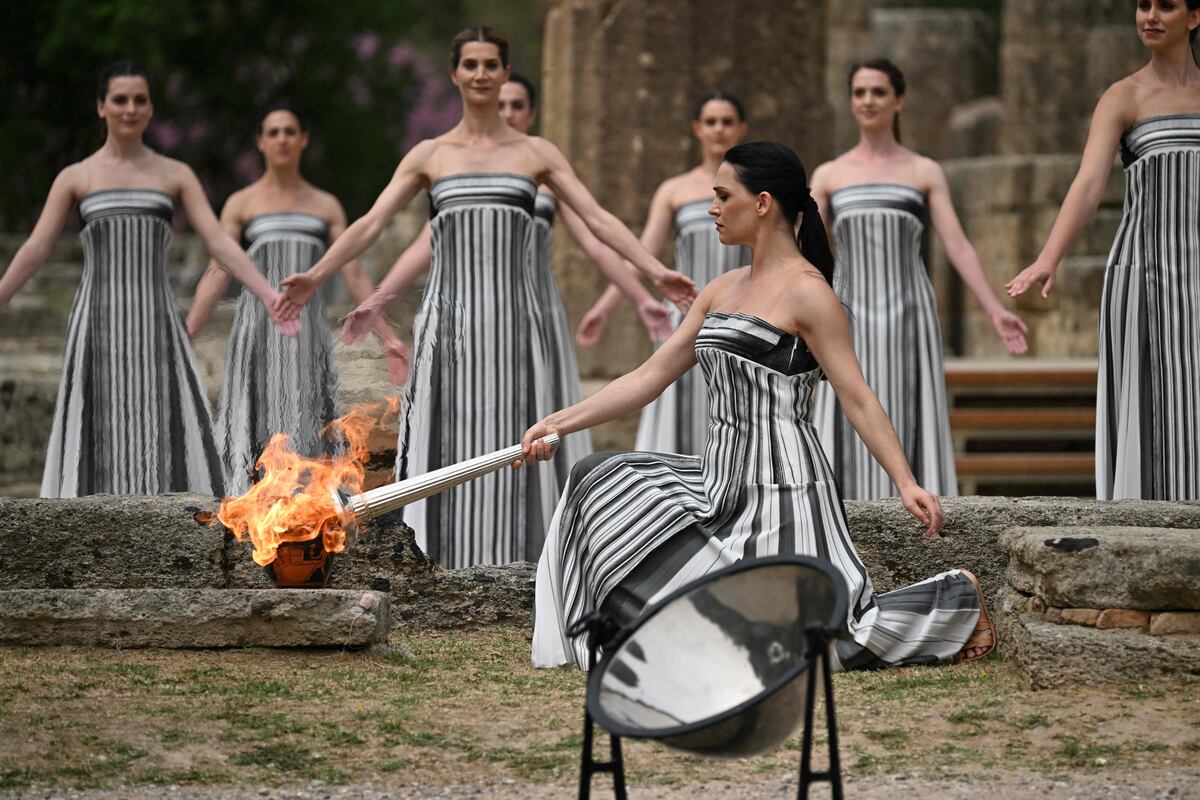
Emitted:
<point x="215" y="282"/>
<point x="365" y="231"/>
<point x="680" y="289"/>
<point x="1112" y="115"/>
<point x="36" y="249"/>
<point x="1008" y="325"/>
<point x="822" y="324"/>
<point x="653" y="314"/>
<point x="632" y="390"/>
<point x="225" y="250"/>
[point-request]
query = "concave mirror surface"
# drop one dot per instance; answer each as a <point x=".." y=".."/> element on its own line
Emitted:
<point x="714" y="648"/>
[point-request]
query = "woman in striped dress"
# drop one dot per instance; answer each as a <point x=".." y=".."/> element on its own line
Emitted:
<point x="880" y="197"/>
<point x="272" y="383"/>
<point x="478" y="352"/>
<point x="633" y="527"/>
<point x="1148" y="390"/>
<point x="559" y="386"/>
<point x="677" y="421"/>
<point x="131" y="416"/>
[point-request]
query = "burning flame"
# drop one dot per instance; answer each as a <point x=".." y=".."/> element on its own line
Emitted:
<point x="292" y="501"/>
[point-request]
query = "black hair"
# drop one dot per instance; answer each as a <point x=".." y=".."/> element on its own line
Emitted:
<point x="119" y="69"/>
<point x="516" y="77"/>
<point x="775" y="168"/>
<point x="728" y="98"/>
<point x="1192" y="6"/>
<point x="477" y="33"/>
<point x="271" y="109"/>
<point x="895" y="77"/>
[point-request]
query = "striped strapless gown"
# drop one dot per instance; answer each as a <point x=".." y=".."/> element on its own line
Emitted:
<point x="881" y="278"/>
<point x="132" y="417"/>
<point x="477" y="359"/>
<point x="632" y="527"/>
<point x="560" y="385"/>
<point x="677" y="421"/>
<point x="1148" y="392"/>
<point x="275" y="383"/>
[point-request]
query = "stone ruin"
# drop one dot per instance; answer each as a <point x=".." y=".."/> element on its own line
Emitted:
<point x="1080" y="590"/>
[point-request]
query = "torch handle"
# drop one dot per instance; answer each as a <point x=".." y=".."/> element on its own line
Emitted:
<point x="383" y="499"/>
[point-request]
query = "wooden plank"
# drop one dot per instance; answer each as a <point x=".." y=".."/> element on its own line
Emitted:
<point x="1018" y="419"/>
<point x="970" y="372"/>
<point x="1021" y="465"/>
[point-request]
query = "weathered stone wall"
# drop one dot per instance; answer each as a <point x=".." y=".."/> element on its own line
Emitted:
<point x="1008" y="205"/>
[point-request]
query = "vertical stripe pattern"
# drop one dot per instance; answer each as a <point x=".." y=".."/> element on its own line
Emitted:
<point x="632" y="527"/>
<point x="881" y="278"/>
<point x="131" y="417"/>
<point x="677" y="421"/>
<point x="477" y="361"/>
<point x="275" y="383"/>
<point x="1148" y="390"/>
<point x="560" y="386"/>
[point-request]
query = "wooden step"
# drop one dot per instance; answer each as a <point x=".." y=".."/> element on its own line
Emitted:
<point x="1034" y="373"/>
<point x="1017" y="420"/>
<point x="1020" y="466"/>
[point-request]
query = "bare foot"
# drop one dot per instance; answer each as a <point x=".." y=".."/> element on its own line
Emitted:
<point x="983" y="638"/>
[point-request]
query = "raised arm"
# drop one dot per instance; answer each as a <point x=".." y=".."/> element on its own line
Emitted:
<point x="653" y="314"/>
<point x="1112" y="115"/>
<point x="225" y="250"/>
<point x="680" y="289"/>
<point x="36" y="249"/>
<point x="631" y="391"/>
<point x="962" y="255"/>
<point x="822" y="324"/>
<point x="215" y="282"/>
<point x="405" y="183"/>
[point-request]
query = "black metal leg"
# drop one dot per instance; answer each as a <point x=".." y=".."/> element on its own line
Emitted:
<point x="588" y="765"/>
<point x="819" y="646"/>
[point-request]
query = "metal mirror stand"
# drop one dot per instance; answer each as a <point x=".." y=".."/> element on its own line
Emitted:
<point x="600" y="628"/>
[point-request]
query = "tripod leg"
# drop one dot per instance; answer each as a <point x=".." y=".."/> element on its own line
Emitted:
<point x="835" y="767"/>
<point x="618" y="769"/>
<point x="806" y="746"/>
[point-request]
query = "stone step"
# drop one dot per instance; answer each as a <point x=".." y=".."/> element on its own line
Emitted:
<point x="185" y="618"/>
<point x="1150" y="569"/>
<point x="1053" y="655"/>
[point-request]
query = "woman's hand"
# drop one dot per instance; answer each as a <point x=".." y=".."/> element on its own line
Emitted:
<point x="535" y="446"/>
<point x="398" y="359"/>
<point x="925" y="507"/>
<point x="657" y="319"/>
<point x="288" y="326"/>
<point x="359" y="321"/>
<point x="678" y="288"/>
<point x="592" y="326"/>
<point x="1012" y="331"/>
<point x="298" y="290"/>
<point x="1036" y="273"/>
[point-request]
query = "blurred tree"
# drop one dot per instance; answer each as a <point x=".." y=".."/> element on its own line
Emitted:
<point x="355" y="69"/>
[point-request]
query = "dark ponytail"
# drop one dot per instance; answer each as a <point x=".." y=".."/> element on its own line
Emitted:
<point x="775" y="168"/>
<point x="1192" y="6"/>
<point x="895" y="77"/>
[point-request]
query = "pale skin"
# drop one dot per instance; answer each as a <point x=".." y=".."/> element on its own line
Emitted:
<point x="519" y="114"/>
<point x="784" y="289"/>
<point x="125" y="162"/>
<point x="1168" y="84"/>
<point x="880" y="158"/>
<point x="718" y="128"/>
<point x="483" y="142"/>
<point x="282" y="188"/>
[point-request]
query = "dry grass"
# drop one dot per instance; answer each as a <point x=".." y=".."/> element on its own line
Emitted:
<point x="467" y="706"/>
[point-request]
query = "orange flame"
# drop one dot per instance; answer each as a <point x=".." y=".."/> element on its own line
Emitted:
<point x="292" y="502"/>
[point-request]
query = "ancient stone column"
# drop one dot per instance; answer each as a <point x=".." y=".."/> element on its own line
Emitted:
<point x="619" y="82"/>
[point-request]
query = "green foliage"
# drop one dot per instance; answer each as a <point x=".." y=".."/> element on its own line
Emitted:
<point x="353" y="68"/>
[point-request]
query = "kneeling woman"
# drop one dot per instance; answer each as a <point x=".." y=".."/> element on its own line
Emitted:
<point x="634" y="526"/>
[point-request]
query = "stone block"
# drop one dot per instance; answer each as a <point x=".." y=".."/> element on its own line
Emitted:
<point x="467" y="598"/>
<point x="1110" y="567"/>
<point x="1071" y="655"/>
<point x="186" y="618"/>
<point x="1080" y="616"/>
<point x="1168" y="623"/>
<point x="109" y="542"/>
<point x="975" y="128"/>
<point x="1111" y="618"/>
